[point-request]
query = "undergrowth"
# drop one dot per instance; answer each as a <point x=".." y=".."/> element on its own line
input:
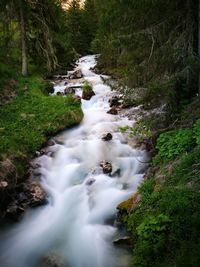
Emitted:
<point x="32" y="116"/>
<point x="165" y="224"/>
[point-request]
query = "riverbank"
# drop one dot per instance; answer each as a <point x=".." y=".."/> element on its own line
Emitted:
<point x="28" y="118"/>
<point x="163" y="218"/>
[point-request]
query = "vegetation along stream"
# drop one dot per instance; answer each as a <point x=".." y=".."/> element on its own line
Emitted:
<point x="100" y="165"/>
<point x="85" y="180"/>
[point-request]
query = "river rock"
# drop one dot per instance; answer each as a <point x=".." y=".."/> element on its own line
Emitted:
<point x="50" y="142"/>
<point x="107" y="137"/>
<point x="77" y="74"/>
<point x="123" y="241"/>
<point x="87" y="95"/>
<point x="15" y="211"/>
<point x="114" y="101"/>
<point x="106" y="166"/>
<point x="95" y="70"/>
<point x="113" y="111"/>
<point x="35" y="194"/>
<point x="69" y="90"/>
<point x="130" y="204"/>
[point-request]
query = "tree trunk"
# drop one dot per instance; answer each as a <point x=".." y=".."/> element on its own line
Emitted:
<point x="199" y="41"/>
<point x="23" y="42"/>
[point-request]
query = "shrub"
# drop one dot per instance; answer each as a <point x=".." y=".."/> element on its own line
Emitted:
<point x="172" y="144"/>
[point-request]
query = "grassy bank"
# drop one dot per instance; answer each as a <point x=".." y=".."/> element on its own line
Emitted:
<point x="30" y="118"/>
<point x="165" y="224"/>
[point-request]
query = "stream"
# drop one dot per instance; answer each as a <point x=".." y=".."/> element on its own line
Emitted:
<point x="77" y="226"/>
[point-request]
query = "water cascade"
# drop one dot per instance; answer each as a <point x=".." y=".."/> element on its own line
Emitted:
<point x="76" y="224"/>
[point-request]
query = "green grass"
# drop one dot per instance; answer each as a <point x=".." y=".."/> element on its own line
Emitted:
<point x="32" y="116"/>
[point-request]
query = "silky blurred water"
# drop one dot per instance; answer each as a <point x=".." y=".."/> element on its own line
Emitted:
<point x="81" y="198"/>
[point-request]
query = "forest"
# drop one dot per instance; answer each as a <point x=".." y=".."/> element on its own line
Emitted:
<point x="151" y="49"/>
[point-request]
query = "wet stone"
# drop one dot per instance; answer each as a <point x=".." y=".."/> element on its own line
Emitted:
<point x="113" y="111"/>
<point x="51" y="142"/>
<point x="15" y="211"/>
<point x="107" y="137"/>
<point x="35" y="194"/>
<point x="69" y="90"/>
<point x="114" y="101"/>
<point x="123" y="241"/>
<point x="106" y="166"/>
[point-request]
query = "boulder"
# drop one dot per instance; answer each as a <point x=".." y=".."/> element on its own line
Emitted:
<point x="114" y="101"/>
<point x="107" y="137"/>
<point x="95" y="70"/>
<point x="106" y="166"/>
<point x="87" y="95"/>
<point x="15" y="211"/>
<point x="123" y="241"/>
<point x="130" y="204"/>
<point x="77" y="74"/>
<point x="113" y="111"/>
<point x="69" y="90"/>
<point x="35" y="194"/>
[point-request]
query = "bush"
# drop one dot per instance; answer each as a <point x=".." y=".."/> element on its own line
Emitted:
<point x="172" y="144"/>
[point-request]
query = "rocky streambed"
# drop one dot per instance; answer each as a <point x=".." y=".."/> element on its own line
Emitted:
<point x="82" y="176"/>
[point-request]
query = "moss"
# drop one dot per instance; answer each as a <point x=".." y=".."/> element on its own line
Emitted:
<point x="87" y="91"/>
<point x="129" y="204"/>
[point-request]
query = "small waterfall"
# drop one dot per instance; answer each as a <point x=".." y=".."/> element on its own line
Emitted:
<point x="74" y="224"/>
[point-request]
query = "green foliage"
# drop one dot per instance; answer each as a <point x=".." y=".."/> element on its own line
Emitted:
<point x="147" y="187"/>
<point x="31" y="116"/>
<point x="152" y="237"/>
<point x="161" y="225"/>
<point x="151" y="226"/>
<point x="139" y="129"/>
<point x="188" y="168"/>
<point x="172" y="144"/>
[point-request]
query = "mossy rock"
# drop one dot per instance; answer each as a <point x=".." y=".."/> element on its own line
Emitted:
<point x="130" y="204"/>
<point x="87" y="91"/>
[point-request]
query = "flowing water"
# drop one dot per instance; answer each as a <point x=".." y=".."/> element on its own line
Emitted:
<point x="76" y="224"/>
